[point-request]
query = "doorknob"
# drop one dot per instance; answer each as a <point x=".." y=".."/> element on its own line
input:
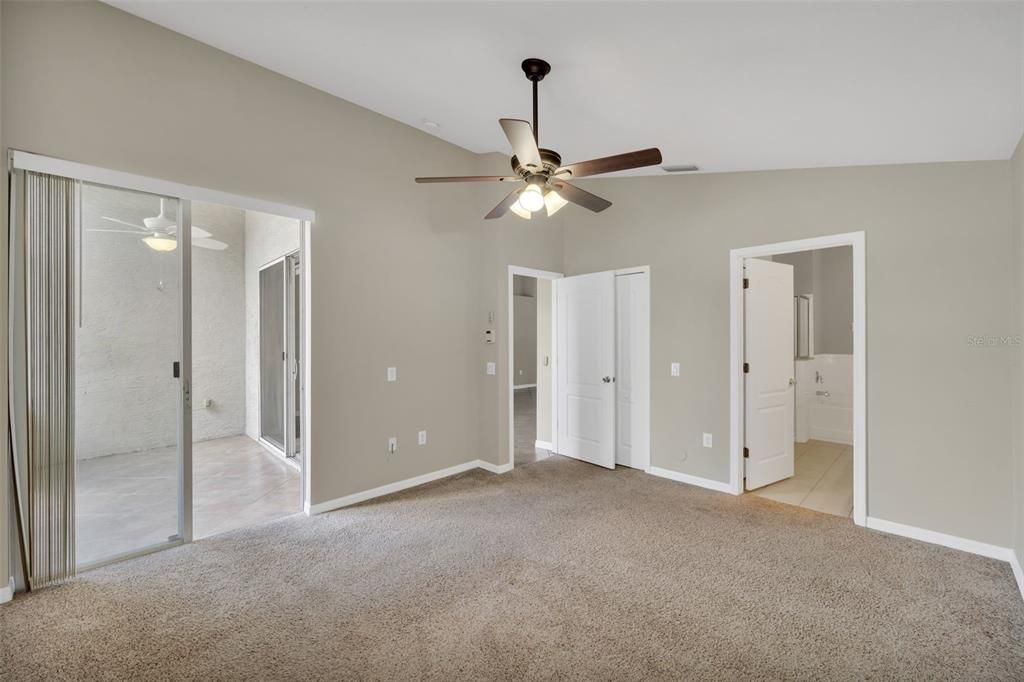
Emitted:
<point x="607" y="380"/>
<point x="792" y="381"/>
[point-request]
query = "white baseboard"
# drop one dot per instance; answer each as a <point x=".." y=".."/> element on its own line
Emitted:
<point x="494" y="468"/>
<point x="524" y="386"/>
<point x="720" y="486"/>
<point x="1018" y="572"/>
<point x="936" y="538"/>
<point x="543" y="445"/>
<point x="380" y="491"/>
<point x="832" y="435"/>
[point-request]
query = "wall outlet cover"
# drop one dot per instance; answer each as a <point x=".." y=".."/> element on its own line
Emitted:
<point x="392" y="374"/>
<point x="707" y="440"/>
<point x="674" y="370"/>
<point x="422" y="437"/>
<point x="492" y="368"/>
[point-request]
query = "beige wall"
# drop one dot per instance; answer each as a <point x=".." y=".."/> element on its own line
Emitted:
<point x="77" y="91"/>
<point x="544" y="354"/>
<point x="1017" y="164"/>
<point x="524" y="349"/>
<point x="940" y="268"/>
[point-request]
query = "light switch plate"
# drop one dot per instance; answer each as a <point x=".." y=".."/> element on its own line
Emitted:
<point x="422" y="437"/>
<point x="707" y="440"/>
<point x="392" y="374"/>
<point x="492" y="368"/>
<point x="675" y="369"/>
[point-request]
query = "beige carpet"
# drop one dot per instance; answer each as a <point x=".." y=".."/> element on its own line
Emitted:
<point x="557" y="570"/>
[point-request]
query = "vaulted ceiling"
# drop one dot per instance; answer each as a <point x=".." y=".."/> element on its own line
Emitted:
<point x="726" y="86"/>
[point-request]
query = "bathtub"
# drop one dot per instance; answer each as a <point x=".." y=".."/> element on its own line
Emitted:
<point x="829" y="416"/>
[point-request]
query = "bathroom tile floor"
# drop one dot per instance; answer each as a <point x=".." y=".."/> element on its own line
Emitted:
<point x="823" y="480"/>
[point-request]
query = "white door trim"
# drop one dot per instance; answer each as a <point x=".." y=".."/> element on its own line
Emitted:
<point x="514" y="270"/>
<point x="736" y="331"/>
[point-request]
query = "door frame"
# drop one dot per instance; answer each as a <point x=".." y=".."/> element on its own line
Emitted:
<point x="736" y="334"/>
<point x="185" y="195"/>
<point x="514" y="270"/>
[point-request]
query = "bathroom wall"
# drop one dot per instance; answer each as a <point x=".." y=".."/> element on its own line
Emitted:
<point x="828" y="416"/>
<point x="828" y="275"/>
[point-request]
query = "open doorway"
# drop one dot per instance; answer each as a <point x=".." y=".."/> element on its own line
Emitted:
<point x="245" y="368"/>
<point x="798" y="390"/>
<point x="587" y="338"/>
<point x="532" y="355"/>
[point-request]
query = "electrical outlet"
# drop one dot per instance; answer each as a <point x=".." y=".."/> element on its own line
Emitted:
<point x="707" y="440"/>
<point x="422" y="437"/>
<point x="675" y="369"/>
<point x="492" y="368"/>
<point x="392" y="445"/>
<point x="392" y="374"/>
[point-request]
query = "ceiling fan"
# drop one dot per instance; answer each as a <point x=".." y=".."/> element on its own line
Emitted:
<point x="547" y="180"/>
<point x="161" y="232"/>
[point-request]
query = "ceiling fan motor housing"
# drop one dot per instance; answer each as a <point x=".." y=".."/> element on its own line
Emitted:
<point x="550" y="158"/>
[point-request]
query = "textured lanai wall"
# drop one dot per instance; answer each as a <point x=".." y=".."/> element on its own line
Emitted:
<point x="127" y="339"/>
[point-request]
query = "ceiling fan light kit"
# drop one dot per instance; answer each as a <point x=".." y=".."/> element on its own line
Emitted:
<point x="547" y="180"/>
<point x="159" y="242"/>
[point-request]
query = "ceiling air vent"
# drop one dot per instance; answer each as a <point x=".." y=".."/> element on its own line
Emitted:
<point x="684" y="168"/>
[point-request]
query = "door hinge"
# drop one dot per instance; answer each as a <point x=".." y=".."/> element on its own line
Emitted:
<point x="746" y="283"/>
<point x="176" y="370"/>
<point x="746" y="368"/>
<point x="746" y="453"/>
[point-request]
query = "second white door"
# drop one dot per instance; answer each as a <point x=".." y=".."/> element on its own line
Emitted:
<point x="586" y="367"/>
<point x="632" y="314"/>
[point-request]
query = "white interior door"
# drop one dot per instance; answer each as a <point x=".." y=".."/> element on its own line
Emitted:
<point x="586" y="367"/>
<point x="770" y="390"/>
<point x="632" y="372"/>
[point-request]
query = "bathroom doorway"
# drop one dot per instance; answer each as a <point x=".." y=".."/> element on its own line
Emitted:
<point x="798" y="389"/>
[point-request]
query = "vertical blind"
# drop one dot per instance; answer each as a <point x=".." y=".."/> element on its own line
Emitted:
<point x="48" y="311"/>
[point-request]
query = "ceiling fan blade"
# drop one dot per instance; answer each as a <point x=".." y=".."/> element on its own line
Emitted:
<point x="469" y="178"/>
<point x="503" y="207"/>
<point x="206" y="243"/>
<point x="524" y="145"/>
<point x="610" y="164"/>
<point x="579" y="196"/>
<point x="103" y="229"/>
<point x="197" y="232"/>
<point x="141" y="228"/>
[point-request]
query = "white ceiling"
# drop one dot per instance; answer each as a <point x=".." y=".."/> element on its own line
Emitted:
<point x="726" y="86"/>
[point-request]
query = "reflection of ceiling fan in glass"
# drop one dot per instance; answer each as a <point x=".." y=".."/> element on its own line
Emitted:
<point x="161" y="232"/>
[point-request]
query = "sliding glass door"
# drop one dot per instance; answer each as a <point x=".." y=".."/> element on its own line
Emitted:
<point x="280" y="375"/>
<point x="129" y="451"/>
